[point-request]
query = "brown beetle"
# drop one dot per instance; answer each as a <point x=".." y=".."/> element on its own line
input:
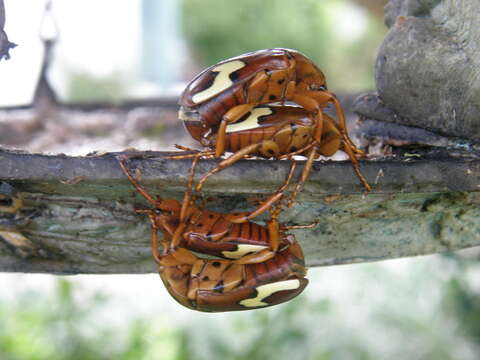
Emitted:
<point x="264" y="267"/>
<point x="231" y="236"/>
<point x="223" y="97"/>
<point x="274" y="131"/>
<point x="216" y="285"/>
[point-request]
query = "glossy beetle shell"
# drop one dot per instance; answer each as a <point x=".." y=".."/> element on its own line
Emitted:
<point x="212" y="233"/>
<point x="232" y="82"/>
<point x="222" y="285"/>
<point x="260" y="266"/>
<point x="283" y="129"/>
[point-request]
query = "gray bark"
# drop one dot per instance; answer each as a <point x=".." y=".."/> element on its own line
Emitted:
<point x="71" y="215"/>
<point x="428" y="67"/>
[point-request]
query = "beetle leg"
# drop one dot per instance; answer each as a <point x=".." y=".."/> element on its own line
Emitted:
<point x="329" y="144"/>
<point x="230" y="116"/>
<point x="356" y="167"/>
<point x="313" y="154"/>
<point x="310" y="104"/>
<point x="154" y="239"/>
<point x="298" y="152"/>
<point x="268" y="203"/>
<point x="324" y="97"/>
<point x="258" y="87"/>
<point x="184" y="148"/>
<point x="273" y="228"/>
<point x="228" y="162"/>
<point x="135" y="183"/>
<point x="205" y="153"/>
<point x="188" y="197"/>
<point x="177" y="236"/>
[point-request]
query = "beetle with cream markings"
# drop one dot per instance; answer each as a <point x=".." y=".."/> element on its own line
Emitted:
<point x="225" y="285"/>
<point x="257" y="266"/>
<point x="230" y="236"/>
<point x="224" y="105"/>
<point x="276" y="131"/>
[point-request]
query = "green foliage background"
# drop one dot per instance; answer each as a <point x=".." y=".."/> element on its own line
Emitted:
<point x="424" y="308"/>
<point x="218" y="29"/>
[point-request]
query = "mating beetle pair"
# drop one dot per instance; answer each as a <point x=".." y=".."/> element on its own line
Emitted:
<point x="221" y="108"/>
<point x="238" y="105"/>
<point x="258" y="266"/>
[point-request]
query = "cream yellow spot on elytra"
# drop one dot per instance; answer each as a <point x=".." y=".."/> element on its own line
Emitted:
<point x="221" y="82"/>
<point x="264" y="291"/>
<point x="242" y="250"/>
<point x="251" y="122"/>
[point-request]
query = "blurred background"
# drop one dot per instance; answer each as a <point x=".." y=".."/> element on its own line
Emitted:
<point x="112" y="73"/>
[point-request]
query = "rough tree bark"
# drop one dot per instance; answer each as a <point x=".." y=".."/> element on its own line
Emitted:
<point x="62" y="214"/>
<point x="428" y="68"/>
<point x="69" y="215"/>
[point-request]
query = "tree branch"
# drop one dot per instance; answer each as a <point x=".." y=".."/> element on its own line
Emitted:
<point x="73" y="215"/>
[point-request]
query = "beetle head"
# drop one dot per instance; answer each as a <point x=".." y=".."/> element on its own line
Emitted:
<point x="192" y="121"/>
<point x="167" y="207"/>
<point x="308" y="76"/>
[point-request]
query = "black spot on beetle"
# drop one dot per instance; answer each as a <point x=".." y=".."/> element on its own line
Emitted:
<point x="272" y="97"/>
<point x="293" y="149"/>
<point x="243" y="118"/>
<point x="270" y="151"/>
<point x="207" y="82"/>
<point x="211" y="216"/>
<point x="199" y="225"/>
<point x="234" y="76"/>
<point x="205" y="278"/>
<point x="216" y="264"/>
<point x="281" y="81"/>
<point x="219" y="286"/>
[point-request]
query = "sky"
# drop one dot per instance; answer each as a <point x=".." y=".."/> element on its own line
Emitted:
<point x="101" y="37"/>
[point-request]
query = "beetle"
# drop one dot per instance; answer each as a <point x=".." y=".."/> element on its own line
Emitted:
<point x="222" y="97"/>
<point x="274" y="131"/>
<point x="231" y="236"/>
<point x="260" y="266"/>
<point x="216" y="285"/>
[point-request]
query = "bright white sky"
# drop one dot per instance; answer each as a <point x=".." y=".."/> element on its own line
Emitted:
<point x="98" y="36"/>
